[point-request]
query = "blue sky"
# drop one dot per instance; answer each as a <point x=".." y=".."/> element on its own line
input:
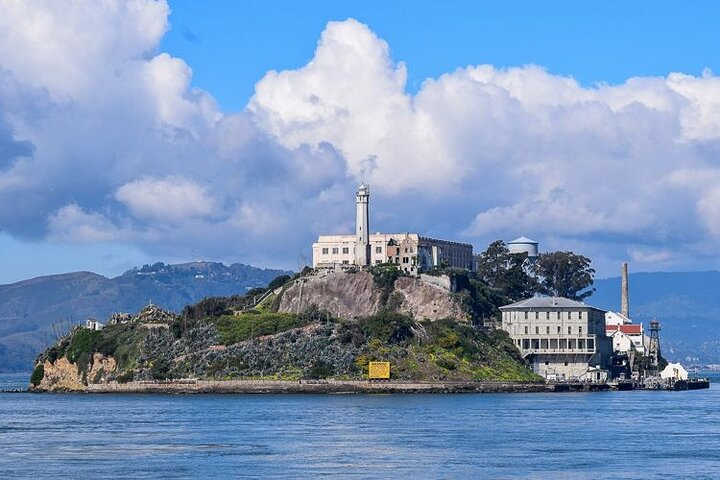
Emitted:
<point x="237" y="131"/>
<point x="233" y="44"/>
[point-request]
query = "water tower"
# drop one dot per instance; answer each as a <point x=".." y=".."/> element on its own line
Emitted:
<point x="524" y="245"/>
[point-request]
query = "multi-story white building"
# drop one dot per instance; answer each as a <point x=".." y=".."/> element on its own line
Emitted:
<point x="561" y="338"/>
<point x="626" y="336"/>
<point x="410" y="251"/>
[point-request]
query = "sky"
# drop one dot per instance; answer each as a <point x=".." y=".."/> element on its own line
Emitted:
<point x="142" y="131"/>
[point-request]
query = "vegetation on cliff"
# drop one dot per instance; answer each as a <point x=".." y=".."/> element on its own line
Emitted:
<point x="233" y="338"/>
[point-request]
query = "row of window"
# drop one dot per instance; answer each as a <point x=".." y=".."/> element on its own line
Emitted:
<point x="570" y="315"/>
<point x="556" y="344"/>
<point x="335" y="250"/>
<point x="346" y="250"/>
<point x="559" y="329"/>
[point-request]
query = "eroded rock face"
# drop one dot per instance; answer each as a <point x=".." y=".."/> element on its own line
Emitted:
<point x="102" y="366"/>
<point x="425" y="301"/>
<point x="61" y="375"/>
<point x="345" y="295"/>
<point x="348" y="295"/>
<point x="65" y="376"/>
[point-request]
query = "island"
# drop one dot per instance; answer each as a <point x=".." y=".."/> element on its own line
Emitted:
<point x="314" y="332"/>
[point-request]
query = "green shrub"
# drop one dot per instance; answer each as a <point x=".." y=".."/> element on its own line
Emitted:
<point x="321" y="370"/>
<point x="384" y="276"/>
<point x="160" y="369"/>
<point x="247" y="325"/>
<point x="37" y="375"/>
<point x="126" y="377"/>
<point x="278" y="281"/>
<point x="388" y="327"/>
<point x="82" y="344"/>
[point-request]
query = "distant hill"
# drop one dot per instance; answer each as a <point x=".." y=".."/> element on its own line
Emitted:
<point x="687" y="304"/>
<point x="33" y="312"/>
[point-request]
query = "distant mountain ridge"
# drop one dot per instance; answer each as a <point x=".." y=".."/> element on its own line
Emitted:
<point x="33" y="311"/>
<point x="687" y="304"/>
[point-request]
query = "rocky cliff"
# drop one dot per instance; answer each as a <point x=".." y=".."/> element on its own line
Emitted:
<point x="352" y="295"/>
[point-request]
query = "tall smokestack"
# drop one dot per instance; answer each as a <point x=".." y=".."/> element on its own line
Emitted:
<point x="625" y="300"/>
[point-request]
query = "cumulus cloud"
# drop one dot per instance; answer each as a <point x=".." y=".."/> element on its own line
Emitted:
<point x="105" y="139"/>
<point x="168" y="199"/>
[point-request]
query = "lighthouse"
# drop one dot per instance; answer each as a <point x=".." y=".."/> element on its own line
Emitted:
<point x="362" y="226"/>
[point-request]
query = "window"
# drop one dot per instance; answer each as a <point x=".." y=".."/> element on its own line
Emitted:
<point x="537" y="330"/>
<point x="345" y="262"/>
<point x="526" y="315"/>
<point x="526" y="329"/>
<point x="324" y="251"/>
<point x="406" y="260"/>
<point x="346" y="250"/>
<point x="335" y="250"/>
<point x="591" y="344"/>
<point x="580" y="330"/>
<point x="569" y="329"/>
<point x="547" y="330"/>
<point x="378" y="262"/>
<point x="547" y="315"/>
<point x="406" y="250"/>
<point x="537" y="315"/>
<point x="378" y="249"/>
<point x="558" y="329"/>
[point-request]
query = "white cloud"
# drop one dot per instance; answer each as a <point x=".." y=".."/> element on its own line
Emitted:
<point x="476" y="154"/>
<point x="166" y="200"/>
<point x="71" y="224"/>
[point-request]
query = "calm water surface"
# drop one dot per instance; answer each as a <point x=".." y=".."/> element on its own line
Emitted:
<point x="635" y="435"/>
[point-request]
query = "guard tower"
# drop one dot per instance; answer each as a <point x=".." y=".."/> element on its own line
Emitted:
<point x="654" y="349"/>
<point x="362" y="226"/>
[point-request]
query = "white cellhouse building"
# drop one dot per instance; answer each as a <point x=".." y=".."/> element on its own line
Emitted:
<point x="410" y="251"/>
<point x="561" y="338"/>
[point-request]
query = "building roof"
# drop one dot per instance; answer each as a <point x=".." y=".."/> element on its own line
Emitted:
<point x="628" y="328"/>
<point x="547" y="302"/>
<point x="523" y="239"/>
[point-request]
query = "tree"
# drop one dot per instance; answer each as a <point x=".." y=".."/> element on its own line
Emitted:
<point x="564" y="274"/>
<point x="505" y="272"/>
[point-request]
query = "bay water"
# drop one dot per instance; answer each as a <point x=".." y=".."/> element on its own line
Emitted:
<point x="634" y="435"/>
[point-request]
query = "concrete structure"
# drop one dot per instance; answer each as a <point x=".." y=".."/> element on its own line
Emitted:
<point x="561" y="338"/>
<point x="362" y="226"/>
<point x="412" y="252"/>
<point x="625" y="292"/>
<point x="524" y="245"/>
<point x="92" y="324"/>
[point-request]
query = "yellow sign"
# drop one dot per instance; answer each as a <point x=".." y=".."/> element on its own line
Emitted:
<point x="379" y="370"/>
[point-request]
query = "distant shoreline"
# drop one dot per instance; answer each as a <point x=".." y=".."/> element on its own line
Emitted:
<point x="327" y="387"/>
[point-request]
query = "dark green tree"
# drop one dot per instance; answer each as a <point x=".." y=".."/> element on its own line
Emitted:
<point x="505" y="272"/>
<point x="565" y="274"/>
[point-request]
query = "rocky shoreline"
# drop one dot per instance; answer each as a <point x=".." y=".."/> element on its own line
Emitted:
<point x="322" y="387"/>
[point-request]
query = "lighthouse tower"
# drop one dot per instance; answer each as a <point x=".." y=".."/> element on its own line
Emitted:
<point x="362" y="226"/>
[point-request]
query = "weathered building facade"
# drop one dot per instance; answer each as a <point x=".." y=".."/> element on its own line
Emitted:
<point x="410" y="251"/>
<point x="561" y="338"/>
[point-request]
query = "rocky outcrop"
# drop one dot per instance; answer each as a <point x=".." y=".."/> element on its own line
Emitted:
<point x="61" y="375"/>
<point x="350" y="295"/>
<point x="427" y="301"/>
<point x="101" y="368"/>
<point x="345" y="295"/>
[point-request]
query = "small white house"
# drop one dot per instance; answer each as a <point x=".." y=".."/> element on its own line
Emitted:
<point x="92" y="324"/>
